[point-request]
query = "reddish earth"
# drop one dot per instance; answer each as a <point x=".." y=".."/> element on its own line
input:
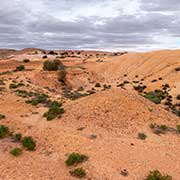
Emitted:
<point x="103" y="125"/>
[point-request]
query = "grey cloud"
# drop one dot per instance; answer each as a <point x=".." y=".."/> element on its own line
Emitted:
<point x="20" y="28"/>
<point x="160" y="5"/>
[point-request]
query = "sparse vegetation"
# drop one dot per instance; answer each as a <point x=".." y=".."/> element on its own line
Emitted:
<point x="52" y="65"/>
<point x="20" y="68"/>
<point x="39" y="98"/>
<point x="4" y="131"/>
<point x="18" y="136"/>
<point x="142" y="136"/>
<point x="155" y="96"/>
<point x="53" y="112"/>
<point x="16" y="151"/>
<point x="76" y="158"/>
<point x="14" y="86"/>
<point x="52" y="53"/>
<point x="29" y="143"/>
<point x="156" y="175"/>
<point x="78" y="172"/>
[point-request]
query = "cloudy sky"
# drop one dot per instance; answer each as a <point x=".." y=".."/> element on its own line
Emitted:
<point x="114" y="25"/>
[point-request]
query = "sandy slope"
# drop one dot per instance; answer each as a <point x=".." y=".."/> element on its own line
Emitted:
<point x="110" y="120"/>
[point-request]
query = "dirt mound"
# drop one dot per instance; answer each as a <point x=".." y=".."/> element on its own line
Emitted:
<point x="118" y="110"/>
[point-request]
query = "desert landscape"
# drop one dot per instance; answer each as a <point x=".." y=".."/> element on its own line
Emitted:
<point x="94" y="115"/>
<point x="89" y="90"/>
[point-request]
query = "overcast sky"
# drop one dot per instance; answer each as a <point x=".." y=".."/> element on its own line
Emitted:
<point x="114" y="25"/>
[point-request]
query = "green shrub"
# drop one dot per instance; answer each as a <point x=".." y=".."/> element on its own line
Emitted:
<point x="20" y="68"/>
<point x="51" y="65"/>
<point x="53" y="112"/>
<point x="4" y="131"/>
<point x="29" y="143"/>
<point x="75" y="158"/>
<point x="14" y="86"/>
<point x="156" y="175"/>
<point x="16" y="151"/>
<point x="155" y="96"/>
<point x="18" y="137"/>
<point x="39" y="98"/>
<point x="78" y="172"/>
<point x="2" y="116"/>
<point x="142" y="136"/>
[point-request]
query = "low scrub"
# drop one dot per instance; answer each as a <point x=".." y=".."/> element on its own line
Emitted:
<point x="4" y="131"/>
<point x="76" y="158"/>
<point x="16" y="151"/>
<point x="20" y="68"/>
<point x="142" y="136"/>
<point x="39" y="98"/>
<point x="52" y="65"/>
<point x="29" y="143"/>
<point x="55" y="110"/>
<point x="78" y="172"/>
<point x="156" y="96"/>
<point x="156" y="175"/>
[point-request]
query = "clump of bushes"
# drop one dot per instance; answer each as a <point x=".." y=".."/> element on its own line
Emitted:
<point x="20" y="68"/>
<point x="29" y="143"/>
<point x="73" y="95"/>
<point x="78" y="172"/>
<point x="76" y="158"/>
<point x="14" y="86"/>
<point x="4" y="131"/>
<point x="55" y="110"/>
<point x="156" y="96"/>
<point x="159" y="129"/>
<point x="52" y="65"/>
<point x="140" y="88"/>
<point x="2" y="116"/>
<point x="39" y="98"/>
<point x="16" y="151"/>
<point x="52" y="53"/>
<point x="156" y="175"/>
